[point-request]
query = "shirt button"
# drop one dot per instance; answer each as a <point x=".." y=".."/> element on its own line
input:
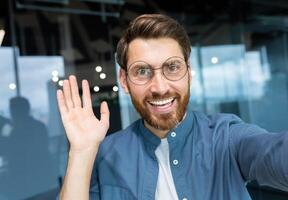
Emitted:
<point x="173" y="134"/>
<point x="175" y="162"/>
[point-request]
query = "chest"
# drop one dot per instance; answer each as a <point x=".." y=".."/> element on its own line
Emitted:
<point x="200" y="167"/>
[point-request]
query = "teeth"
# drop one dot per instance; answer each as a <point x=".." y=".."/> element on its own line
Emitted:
<point x="161" y="102"/>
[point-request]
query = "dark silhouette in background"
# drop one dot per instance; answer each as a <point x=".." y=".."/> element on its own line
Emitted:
<point x="27" y="152"/>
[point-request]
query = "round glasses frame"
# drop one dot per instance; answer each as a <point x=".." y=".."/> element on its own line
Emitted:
<point x="162" y="70"/>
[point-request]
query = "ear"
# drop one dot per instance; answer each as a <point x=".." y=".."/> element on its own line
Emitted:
<point x="123" y="80"/>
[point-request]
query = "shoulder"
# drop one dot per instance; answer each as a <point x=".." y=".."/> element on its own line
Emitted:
<point x="226" y="124"/>
<point x="124" y="134"/>
<point x="213" y="120"/>
<point x="120" y="140"/>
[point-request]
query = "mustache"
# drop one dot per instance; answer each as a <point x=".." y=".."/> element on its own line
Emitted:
<point x="157" y="96"/>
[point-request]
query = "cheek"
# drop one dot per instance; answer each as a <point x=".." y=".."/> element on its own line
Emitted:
<point x="137" y="92"/>
<point x="181" y="87"/>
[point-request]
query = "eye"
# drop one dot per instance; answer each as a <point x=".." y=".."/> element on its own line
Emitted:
<point x="140" y="71"/>
<point x="143" y="71"/>
<point x="173" y="67"/>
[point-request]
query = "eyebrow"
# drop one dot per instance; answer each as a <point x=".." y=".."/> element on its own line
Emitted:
<point x="153" y="65"/>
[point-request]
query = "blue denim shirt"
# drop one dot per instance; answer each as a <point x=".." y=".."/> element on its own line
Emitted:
<point x="212" y="157"/>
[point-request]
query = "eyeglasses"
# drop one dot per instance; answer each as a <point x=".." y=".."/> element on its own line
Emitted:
<point x="173" y="69"/>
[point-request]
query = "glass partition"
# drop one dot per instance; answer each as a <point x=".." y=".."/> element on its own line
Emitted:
<point x="239" y="65"/>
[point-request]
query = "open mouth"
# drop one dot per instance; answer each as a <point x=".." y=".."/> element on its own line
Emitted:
<point x="162" y="102"/>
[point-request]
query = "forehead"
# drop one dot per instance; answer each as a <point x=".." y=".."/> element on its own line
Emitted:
<point x="153" y="51"/>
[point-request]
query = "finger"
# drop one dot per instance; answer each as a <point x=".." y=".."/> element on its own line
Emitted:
<point x="86" y="95"/>
<point x="75" y="91"/>
<point x="67" y="94"/>
<point x="104" y="110"/>
<point x="61" y="103"/>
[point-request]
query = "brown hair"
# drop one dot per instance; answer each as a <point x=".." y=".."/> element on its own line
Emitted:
<point x="150" y="26"/>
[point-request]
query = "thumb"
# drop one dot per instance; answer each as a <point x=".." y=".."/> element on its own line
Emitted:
<point x="105" y="114"/>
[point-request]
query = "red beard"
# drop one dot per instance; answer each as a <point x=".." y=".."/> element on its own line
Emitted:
<point x="165" y="121"/>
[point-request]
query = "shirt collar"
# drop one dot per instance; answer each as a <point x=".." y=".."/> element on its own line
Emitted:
<point x="182" y="130"/>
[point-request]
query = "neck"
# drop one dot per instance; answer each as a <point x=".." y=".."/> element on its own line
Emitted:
<point x="159" y="132"/>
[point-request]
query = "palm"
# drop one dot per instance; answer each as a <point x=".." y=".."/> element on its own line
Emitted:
<point x="83" y="129"/>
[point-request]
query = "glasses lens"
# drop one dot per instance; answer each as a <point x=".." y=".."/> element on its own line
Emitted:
<point x="174" y="68"/>
<point x="140" y="72"/>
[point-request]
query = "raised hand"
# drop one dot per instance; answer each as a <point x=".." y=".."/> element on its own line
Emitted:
<point x="83" y="129"/>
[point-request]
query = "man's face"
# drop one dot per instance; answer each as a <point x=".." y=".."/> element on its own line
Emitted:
<point x="160" y="102"/>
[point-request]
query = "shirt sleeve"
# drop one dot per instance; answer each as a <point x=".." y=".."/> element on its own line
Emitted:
<point x="94" y="192"/>
<point x="261" y="156"/>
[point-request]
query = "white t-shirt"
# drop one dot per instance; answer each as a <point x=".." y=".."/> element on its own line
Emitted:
<point x="165" y="185"/>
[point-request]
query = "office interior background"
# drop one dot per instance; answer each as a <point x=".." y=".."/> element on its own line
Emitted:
<point x="239" y="58"/>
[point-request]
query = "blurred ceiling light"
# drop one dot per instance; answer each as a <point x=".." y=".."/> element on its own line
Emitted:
<point x="12" y="86"/>
<point x="115" y="88"/>
<point x="193" y="73"/>
<point x="98" y="68"/>
<point x="2" y="34"/>
<point x="55" y="73"/>
<point x="55" y="78"/>
<point x="60" y="83"/>
<point x="96" y="88"/>
<point x="102" y="75"/>
<point x="214" y="60"/>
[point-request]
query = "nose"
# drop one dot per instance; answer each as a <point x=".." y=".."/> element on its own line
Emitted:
<point x="158" y="83"/>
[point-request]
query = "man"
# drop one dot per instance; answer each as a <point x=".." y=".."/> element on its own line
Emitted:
<point x="170" y="153"/>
